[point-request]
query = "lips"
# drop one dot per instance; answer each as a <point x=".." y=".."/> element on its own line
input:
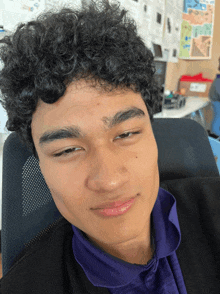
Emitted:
<point x="116" y="210"/>
<point x="113" y="204"/>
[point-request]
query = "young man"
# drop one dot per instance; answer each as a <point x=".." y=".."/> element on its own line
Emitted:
<point x="79" y="90"/>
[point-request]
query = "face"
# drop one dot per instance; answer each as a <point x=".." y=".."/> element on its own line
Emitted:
<point x="97" y="149"/>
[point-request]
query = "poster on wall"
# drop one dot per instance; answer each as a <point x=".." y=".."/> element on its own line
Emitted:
<point x="69" y="3"/>
<point x="172" y="28"/>
<point x="149" y="16"/>
<point x="1" y="19"/>
<point x="18" y="11"/>
<point x="197" y="29"/>
<point x="146" y="14"/>
<point x="133" y="7"/>
<point x="13" y="12"/>
<point x="157" y="22"/>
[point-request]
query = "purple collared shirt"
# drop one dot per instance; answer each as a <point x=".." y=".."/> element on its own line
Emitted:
<point x="161" y="275"/>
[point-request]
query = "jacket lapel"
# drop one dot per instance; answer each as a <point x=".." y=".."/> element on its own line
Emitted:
<point x="198" y="208"/>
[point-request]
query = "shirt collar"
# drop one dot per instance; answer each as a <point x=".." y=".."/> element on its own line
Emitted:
<point x="105" y="270"/>
<point x="166" y="229"/>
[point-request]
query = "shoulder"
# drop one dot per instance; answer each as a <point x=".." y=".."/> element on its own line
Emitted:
<point x="196" y="197"/>
<point x="198" y="209"/>
<point x="48" y="265"/>
<point x="42" y="262"/>
<point x="202" y="188"/>
<point x="49" y="239"/>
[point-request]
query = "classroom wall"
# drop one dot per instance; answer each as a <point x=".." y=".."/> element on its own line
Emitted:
<point x="191" y="67"/>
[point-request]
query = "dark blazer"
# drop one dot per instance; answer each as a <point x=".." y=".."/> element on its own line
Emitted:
<point x="48" y="265"/>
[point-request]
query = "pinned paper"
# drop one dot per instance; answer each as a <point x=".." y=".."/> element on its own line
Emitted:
<point x="17" y="11"/>
<point x="197" y="87"/>
<point x="172" y="28"/>
<point x="197" y="29"/>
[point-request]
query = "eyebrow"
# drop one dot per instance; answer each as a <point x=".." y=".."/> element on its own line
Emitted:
<point x="64" y="133"/>
<point x="122" y="116"/>
<point x="75" y="132"/>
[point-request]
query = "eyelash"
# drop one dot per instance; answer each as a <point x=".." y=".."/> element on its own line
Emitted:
<point x="126" y="133"/>
<point x="70" y="150"/>
<point x="65" y="152"/>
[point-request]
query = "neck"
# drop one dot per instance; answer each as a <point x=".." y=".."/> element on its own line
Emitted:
<point x="135" y="253"/>
<point x="138" y="250"/>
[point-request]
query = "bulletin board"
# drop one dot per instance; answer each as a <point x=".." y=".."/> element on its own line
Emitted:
<point x="172" y="28"/>
<point x="197" y="29"/>
<point x="13" y="12"/>
<point x="159" y="25"/>
<point x="158" y="21"/>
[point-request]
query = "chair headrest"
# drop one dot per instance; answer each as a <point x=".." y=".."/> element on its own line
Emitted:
<point x="184" y="149"/>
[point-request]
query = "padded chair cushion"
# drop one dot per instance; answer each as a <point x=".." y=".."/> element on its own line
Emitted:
<point x="184" y="149"/>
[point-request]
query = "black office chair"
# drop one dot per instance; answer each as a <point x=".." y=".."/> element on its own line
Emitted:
<point x="28" y="208"/>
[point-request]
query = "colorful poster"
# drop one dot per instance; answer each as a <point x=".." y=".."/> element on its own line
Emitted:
<point x="197" y="29"/>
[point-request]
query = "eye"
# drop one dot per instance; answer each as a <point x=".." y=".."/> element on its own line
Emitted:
<point x="66" y="152"/>
<point x="127" y="135"/>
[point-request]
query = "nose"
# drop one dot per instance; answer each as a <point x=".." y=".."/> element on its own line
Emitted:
<point x="108" y="172"/>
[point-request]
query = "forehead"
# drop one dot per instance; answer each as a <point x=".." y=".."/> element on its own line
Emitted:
<point x="84" y="104"/>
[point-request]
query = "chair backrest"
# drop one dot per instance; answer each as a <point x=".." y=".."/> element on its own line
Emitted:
<point x="184" y="149"/>
<point x="216" y="119"/>
<point x="28" y="207"/>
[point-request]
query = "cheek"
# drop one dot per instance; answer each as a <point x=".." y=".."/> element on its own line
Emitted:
<point x="147" y="159"/>
<point x="147" y="174"/>
<point x="64" y="183"/>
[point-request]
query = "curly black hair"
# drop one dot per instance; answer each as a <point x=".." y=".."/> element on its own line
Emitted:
<point x="97" y="42"/>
